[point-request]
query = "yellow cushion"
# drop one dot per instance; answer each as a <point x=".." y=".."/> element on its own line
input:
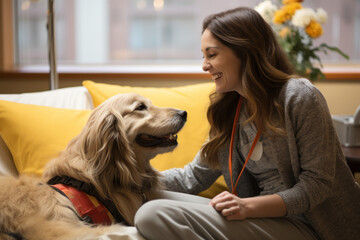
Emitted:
<point x="35" y="134"/>
<point x="192" y="98"/>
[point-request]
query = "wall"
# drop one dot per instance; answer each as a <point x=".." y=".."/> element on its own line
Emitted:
<point x="343" y="97"/>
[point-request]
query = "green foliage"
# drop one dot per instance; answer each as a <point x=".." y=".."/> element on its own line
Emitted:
<point x="303" y="54"/>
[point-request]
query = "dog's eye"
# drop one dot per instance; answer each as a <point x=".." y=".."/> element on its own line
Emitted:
<point x="141" y="107"/>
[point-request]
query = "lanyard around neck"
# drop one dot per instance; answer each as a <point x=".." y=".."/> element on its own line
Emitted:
<point x="237" y="114"/>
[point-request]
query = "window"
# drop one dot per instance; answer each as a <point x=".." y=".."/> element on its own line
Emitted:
<point x="115" y="32"/>
<point x="342" y="28"/>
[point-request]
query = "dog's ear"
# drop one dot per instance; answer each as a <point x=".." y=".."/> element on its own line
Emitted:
<point x="105" y="147"/>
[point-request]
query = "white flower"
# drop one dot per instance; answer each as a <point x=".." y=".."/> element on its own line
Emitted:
<point x="321" y="16"/>
<point x="302" y="17"/>
<point x="266" y="9"/>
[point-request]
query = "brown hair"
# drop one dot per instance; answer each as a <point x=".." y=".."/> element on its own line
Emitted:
<point x="264" y="69"/>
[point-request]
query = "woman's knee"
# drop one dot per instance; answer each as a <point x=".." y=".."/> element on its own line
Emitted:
<point x="157" y="219"/>
<point x="153" y="214"/>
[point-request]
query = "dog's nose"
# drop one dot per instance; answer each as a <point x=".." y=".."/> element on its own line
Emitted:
<point x="182" y="114"/>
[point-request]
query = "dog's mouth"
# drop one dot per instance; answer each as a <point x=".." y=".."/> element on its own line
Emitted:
<point x="146" y="140"/>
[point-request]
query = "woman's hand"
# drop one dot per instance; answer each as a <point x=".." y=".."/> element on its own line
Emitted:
<point x="230" y="206"/>
<point x="235" y="208"/>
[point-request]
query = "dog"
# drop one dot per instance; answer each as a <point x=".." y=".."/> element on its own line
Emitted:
<point x="110" y="157"/>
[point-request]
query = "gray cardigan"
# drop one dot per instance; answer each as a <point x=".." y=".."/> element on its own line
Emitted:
<point x="310" y="162"/>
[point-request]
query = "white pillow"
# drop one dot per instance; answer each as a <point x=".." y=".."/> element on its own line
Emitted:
<point x="72" y="98"/>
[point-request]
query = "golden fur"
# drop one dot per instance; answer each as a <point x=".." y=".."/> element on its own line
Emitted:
<point x="106" y="154"/>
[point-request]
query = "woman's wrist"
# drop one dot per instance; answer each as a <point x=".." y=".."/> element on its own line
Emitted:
<point x="263" y="206"/>
<point x="247" y="207"/>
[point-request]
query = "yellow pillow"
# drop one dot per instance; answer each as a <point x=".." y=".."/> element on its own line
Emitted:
<point x="192" y="98"/>
<point x="35" y="134"/>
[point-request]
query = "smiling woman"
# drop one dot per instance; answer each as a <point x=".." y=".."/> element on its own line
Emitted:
<point x="273" y="187"/>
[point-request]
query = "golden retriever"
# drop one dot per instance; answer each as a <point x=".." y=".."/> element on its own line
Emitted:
<point x="111" y="154"/>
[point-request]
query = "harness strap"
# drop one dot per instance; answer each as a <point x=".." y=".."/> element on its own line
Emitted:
<point x="87" y="207"/>
<point x="81" y="218"/>
<point x="59" y="191"/>
<point x="90" y="190"/>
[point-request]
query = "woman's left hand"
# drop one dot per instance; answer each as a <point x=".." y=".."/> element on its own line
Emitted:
<point x="229" y="205"/>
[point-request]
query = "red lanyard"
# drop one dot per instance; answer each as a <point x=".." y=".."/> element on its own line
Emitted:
<point x="237" y="114"/>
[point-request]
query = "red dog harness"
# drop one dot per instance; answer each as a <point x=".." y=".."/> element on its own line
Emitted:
<point x="89" y="205"/>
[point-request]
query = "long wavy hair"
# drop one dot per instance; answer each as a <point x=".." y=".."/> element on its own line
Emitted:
<point x="264" y="69"/>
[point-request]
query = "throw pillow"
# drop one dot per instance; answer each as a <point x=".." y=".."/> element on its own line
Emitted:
<point x="36" y="134"/>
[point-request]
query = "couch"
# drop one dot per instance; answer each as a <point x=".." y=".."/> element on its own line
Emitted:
<point x="35" y="127"/>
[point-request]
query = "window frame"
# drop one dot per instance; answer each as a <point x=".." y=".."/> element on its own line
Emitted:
<point x="332" y="72"/>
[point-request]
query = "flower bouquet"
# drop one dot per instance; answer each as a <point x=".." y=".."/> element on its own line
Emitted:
<point x="296" y="28"/>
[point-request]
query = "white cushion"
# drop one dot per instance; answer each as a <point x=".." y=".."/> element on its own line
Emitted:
<point x="73" y="98"/>
<point x="7" y="166"/>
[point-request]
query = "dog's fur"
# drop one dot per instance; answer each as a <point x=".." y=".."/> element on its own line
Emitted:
<point x="112" y="153"/>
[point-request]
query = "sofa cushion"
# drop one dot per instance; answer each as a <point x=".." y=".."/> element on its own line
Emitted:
<point x="192" y="98"/>
<point x="35" y="134"/>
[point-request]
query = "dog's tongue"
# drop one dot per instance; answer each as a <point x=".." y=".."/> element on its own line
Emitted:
<point x="147" y="137"/>
<point x="152" y="141"/>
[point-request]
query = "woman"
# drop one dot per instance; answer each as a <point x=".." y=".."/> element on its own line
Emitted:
<point x="272" y="129"/>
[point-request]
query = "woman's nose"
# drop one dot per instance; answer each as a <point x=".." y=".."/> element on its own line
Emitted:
<point x="206" y="66"/>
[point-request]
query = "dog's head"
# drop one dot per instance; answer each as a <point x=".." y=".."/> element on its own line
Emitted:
<point x="123" y="134"/>
<point x="150" y="130"/>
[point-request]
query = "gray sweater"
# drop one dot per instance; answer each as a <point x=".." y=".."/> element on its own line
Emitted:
<point x="310" y="161"/>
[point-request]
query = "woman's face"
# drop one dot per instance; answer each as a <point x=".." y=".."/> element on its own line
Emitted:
<point x="222" y="63"/>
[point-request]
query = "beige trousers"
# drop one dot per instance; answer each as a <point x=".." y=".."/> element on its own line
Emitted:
<point x="188" y="217"/>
